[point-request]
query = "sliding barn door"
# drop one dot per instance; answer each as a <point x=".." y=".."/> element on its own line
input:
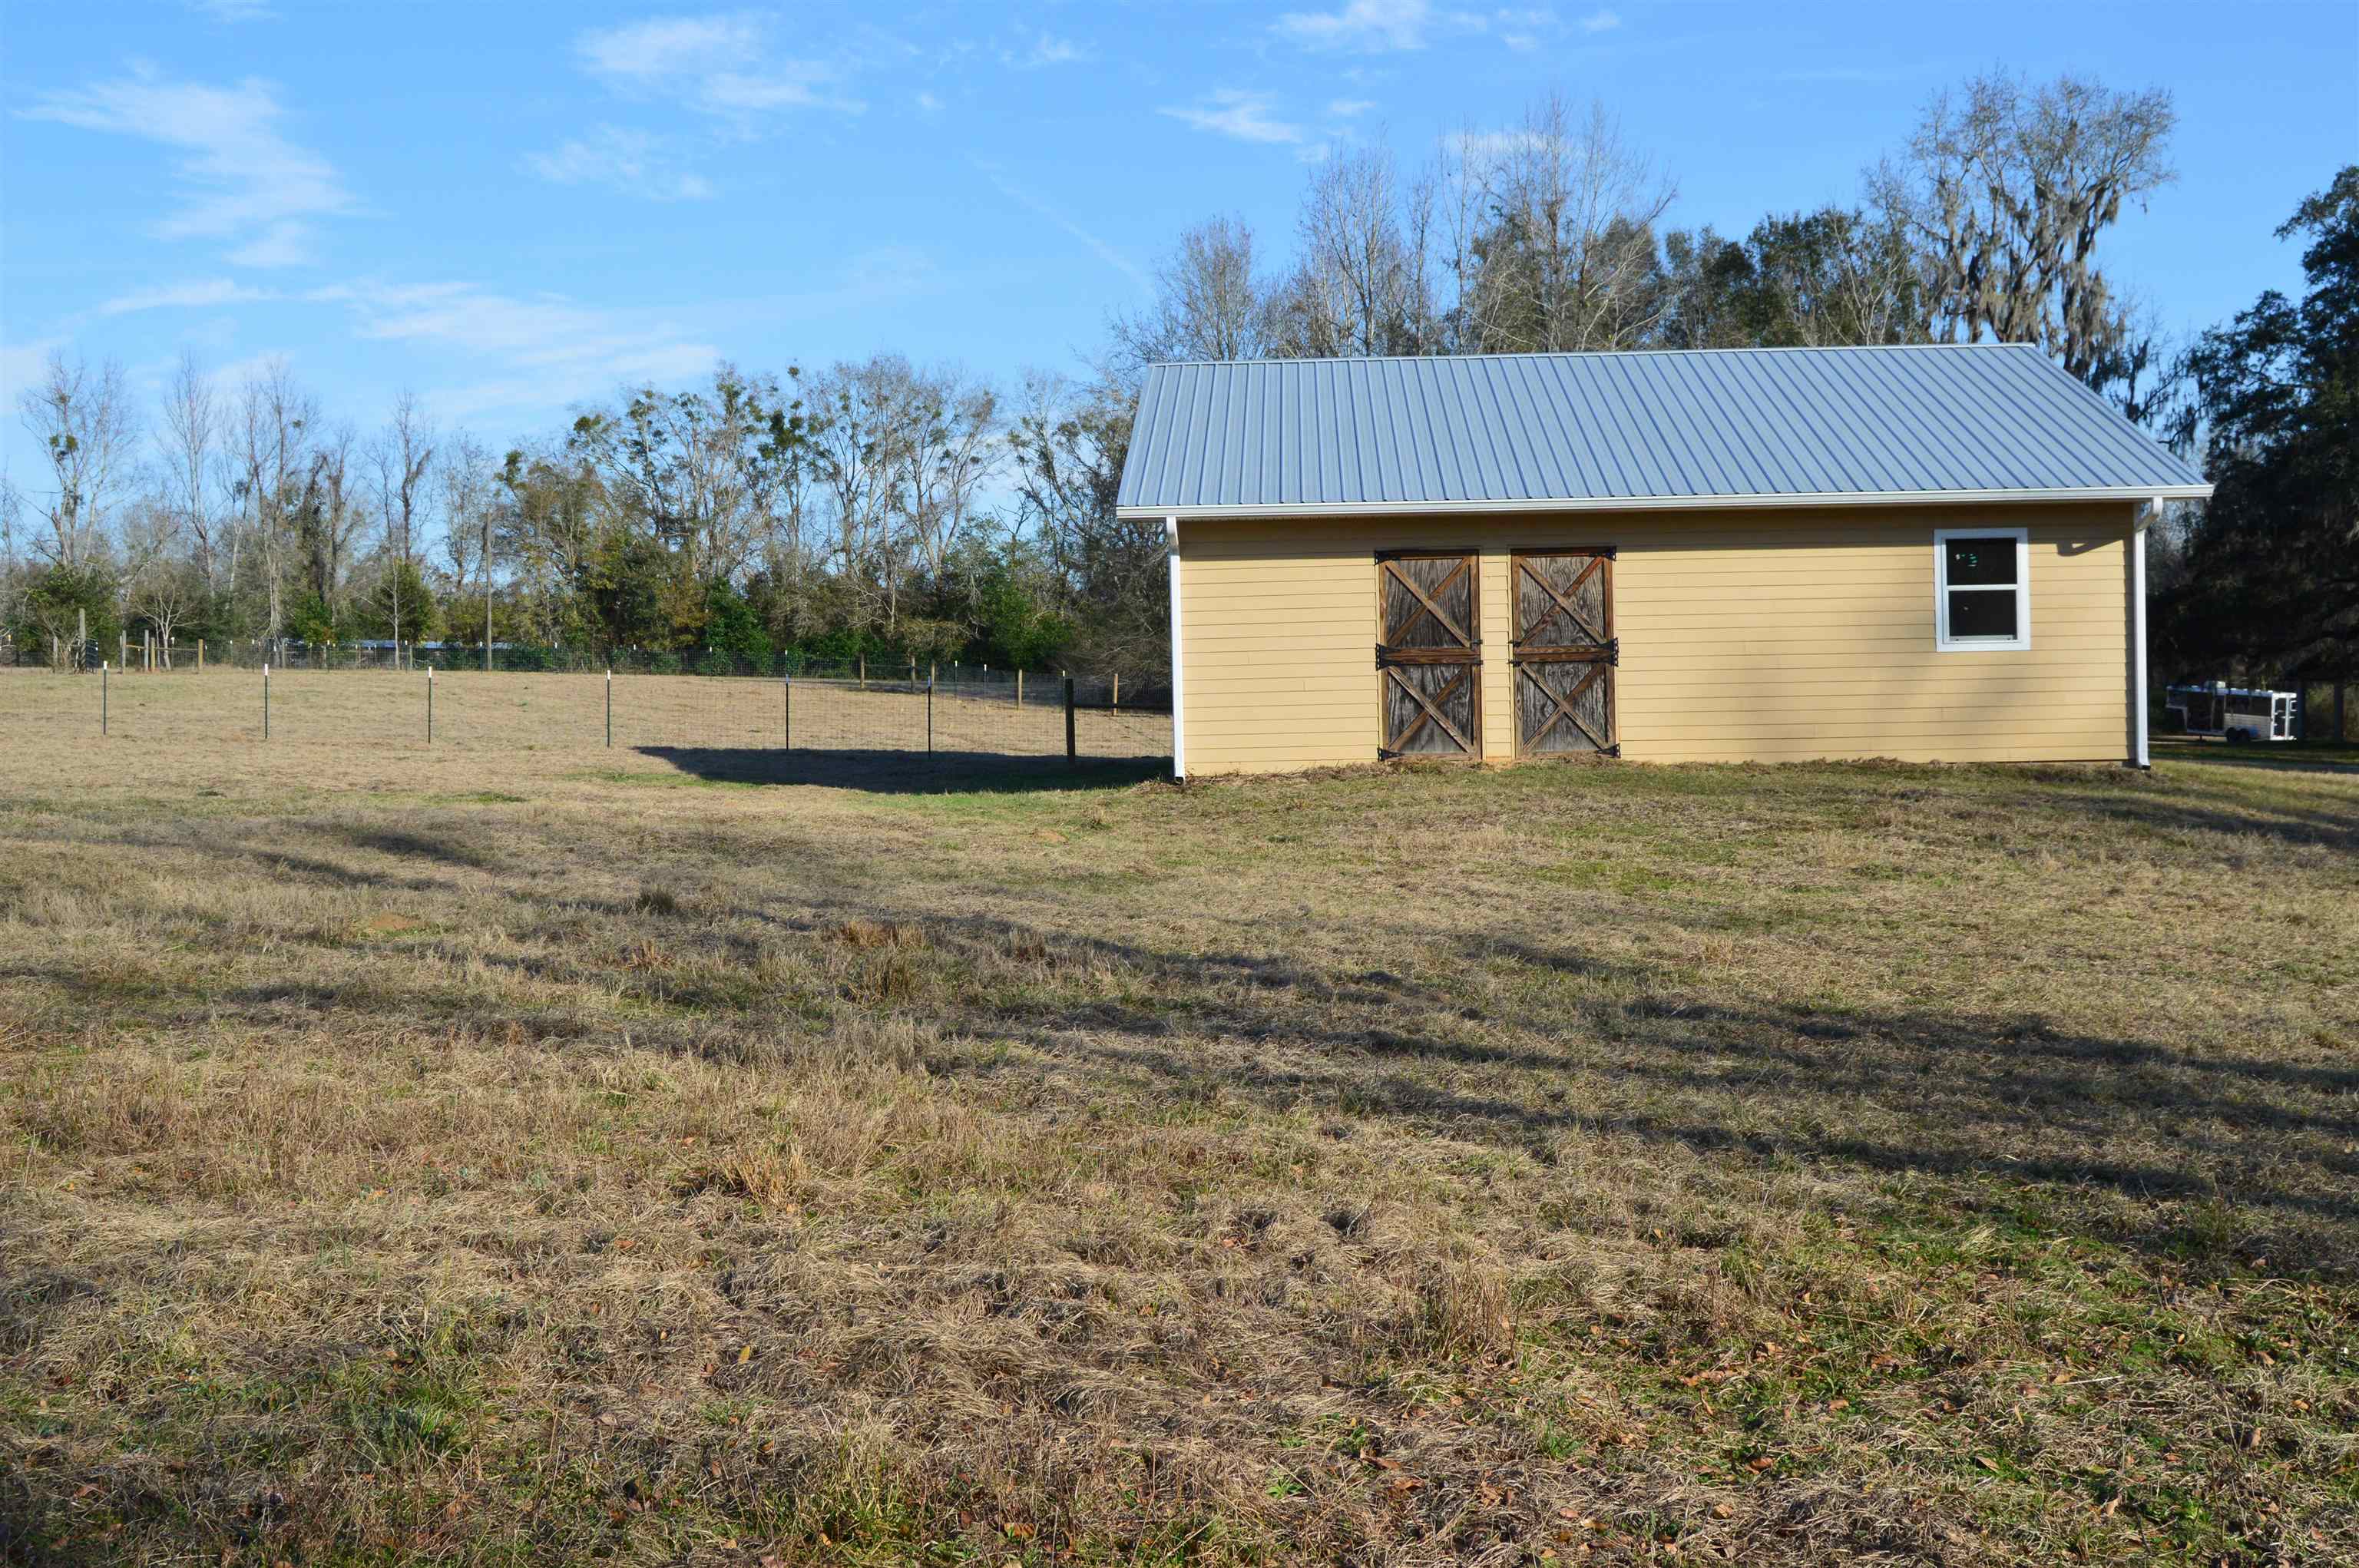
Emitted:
<point x="1565" y="650"/>
<point x="1430" y="654"/>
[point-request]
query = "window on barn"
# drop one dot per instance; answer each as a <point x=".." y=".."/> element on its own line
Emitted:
<point x="1982" y="589"/>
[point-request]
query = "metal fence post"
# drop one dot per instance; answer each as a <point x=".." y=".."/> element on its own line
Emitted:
<point x="101" y="698"/>
<point x="430" y="704"/>
<point x="930" y="708"/>
<point x="787" y="710"/>
<point x="1019" y="688"/>
<point x="1070" y="751"/>
<point x="610" y="707"/>
<point x="265" y="701"/>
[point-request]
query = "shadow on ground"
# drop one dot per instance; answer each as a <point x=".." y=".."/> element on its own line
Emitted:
<point x="908" y="772"/>
<point x="2295" y="758"/>
<point x="2150" y="1143"/>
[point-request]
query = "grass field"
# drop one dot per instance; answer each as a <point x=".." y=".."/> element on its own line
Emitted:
<point x="475" y="1156"/>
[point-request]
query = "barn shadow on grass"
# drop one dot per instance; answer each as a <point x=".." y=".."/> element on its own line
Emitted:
<point x="907" y="772"/>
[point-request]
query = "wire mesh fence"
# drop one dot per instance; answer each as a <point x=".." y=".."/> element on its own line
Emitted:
<point x="949" y="713"/>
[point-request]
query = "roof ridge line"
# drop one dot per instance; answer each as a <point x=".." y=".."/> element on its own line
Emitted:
<point x="1578" y="354"/>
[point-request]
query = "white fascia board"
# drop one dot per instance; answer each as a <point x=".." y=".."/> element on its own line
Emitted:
<point x="1664" y="503"/>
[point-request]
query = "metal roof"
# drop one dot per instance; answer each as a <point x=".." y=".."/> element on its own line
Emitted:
<point x="1666" y="428"/>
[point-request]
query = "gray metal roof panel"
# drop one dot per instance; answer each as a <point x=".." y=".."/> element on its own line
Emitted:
<point x="1653" y="425"/>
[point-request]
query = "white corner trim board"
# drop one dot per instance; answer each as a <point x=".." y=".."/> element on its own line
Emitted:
<point x="1179" y="697"/>
<point x="2150" y="513"/>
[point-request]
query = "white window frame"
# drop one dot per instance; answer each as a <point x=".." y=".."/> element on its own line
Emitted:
<point x="1943" y="641"/>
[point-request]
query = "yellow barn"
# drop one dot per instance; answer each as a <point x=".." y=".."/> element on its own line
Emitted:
<point x="1921" y="552"/>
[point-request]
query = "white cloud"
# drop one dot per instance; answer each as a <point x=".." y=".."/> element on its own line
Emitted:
<point x="1371" y="26"/>
<point x="1245" y="116"/>
<point x="929" y="103"/>
<point x="630" y="162"/>
<point x="1349" y="108"/>
<point x="198" y="294"/>
<point x="24" y="365"/>
<point x="1600" y="22"/>
<point x="557" y="350"/>
<point x="1523" y="30"/>
<point x="1045" y="51"/>
<point x="720" y="65"/>
<point x="284" y="244"/>
<point x="669" y="46"/>
<point x="245" y="183"/>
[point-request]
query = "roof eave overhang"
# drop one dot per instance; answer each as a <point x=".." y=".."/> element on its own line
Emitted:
<point x="1667" y="502"/>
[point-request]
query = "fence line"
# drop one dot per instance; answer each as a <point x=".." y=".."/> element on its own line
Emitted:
<point x="952" y="714"/>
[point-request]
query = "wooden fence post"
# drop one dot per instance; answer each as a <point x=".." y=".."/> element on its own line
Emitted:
<point x="787" y="710"/>
<point x="1019" y="688"/>
<point x="929" y="709"/>
<point x="101" y="698"/>
<point x="200" y="656"/>
<point x="430" y="704"/>
<point x="1070" y="749"/>
<point x="610" y="707"/>
<point x="265" y="701"/>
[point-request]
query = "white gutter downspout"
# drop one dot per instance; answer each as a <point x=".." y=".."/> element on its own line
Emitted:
<point x="2147" y="515"/>
<point x="1179" y="700"/>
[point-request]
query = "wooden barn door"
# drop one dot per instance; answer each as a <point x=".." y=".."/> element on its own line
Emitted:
<point x="1429" y="653"/>
<point x="1565" y="650"/>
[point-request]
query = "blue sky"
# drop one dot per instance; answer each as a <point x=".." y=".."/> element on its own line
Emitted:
<point x="512" y="208"/>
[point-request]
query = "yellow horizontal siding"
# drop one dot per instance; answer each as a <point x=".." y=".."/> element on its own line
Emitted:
<point x="1762" y="636"/>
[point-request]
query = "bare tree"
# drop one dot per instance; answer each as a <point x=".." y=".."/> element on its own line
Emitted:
<point x="1209" y="302"/>
<point x="1069" y="442"/>
<point x="186" y="445"/>
<point x="161" y="585"/>
<point x="1361" y="285"/>
<point x="468" y="502"/>
<point x="2008" y="189"/>
<point x="702" y="470"/>
<point x="327" y="515"/>
<point x="401" y="458"/>
<point x="83" y="419"/>
<point x="11" y="581"/>
<point x="948" y="448"/>
<point x="271" y="433"/>
<point x="857" y="436"/>
<point x="1551" y="234"/>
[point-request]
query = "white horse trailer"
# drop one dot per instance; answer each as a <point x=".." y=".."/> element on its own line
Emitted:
<point x="2236" y="713"/>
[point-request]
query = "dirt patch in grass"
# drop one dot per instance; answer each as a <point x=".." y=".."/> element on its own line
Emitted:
<point x="1762" y="1164"/>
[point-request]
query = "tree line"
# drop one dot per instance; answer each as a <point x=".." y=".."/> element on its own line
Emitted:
<point x="887" y="509"/>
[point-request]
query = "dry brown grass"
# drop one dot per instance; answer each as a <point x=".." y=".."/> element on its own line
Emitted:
<point x="476" y="1157"/>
